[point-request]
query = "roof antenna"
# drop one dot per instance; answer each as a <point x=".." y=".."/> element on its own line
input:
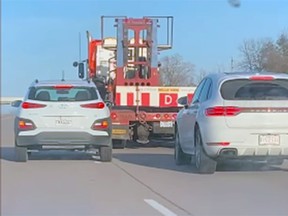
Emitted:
<point x="63" y="75"/>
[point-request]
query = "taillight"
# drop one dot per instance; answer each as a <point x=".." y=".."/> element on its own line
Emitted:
<point x="25" y="124"/>
<point x="104" y="124"/>
<point x="222" y="111"/>
<point x="63" y="86"/>
<point x="113" y="115"/>
<point x="157" y="115"/>
<point x="99" y="105"/>
<point x="28" y="105"/>
<point x="267" y="78"/>
<point x="166" y="116"/>
<point x="218" y="143"/>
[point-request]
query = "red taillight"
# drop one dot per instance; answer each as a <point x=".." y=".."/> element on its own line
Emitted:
<point x="100" y="125"/>
<point x="166" y="116"/>
<point x="113" y="115"/>
<point x="218" y="143"/>
<point x="157" y="115"/>
<point x="28" y="105"/>
<point x="25" y="125"/>
<point x="222" y="111"/>
<point x="267" y="78"/>
<point x="99" y="105"/>
<point x="62" y="86"/>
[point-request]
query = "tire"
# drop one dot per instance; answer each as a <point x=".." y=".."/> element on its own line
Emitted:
<point x="203" y="163"/>
<point x="180" y="157"/>
<point x="105" y="153"/>
<point x="21" y="154"/>
<point x="119" y="144"/>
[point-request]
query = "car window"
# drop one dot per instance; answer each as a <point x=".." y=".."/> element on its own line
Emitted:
<point x="244" y="89"/>
<point x="209" y="94"/>
<point x="45" y="93"/>
<point x="204" y="93"/>
<point x="198" y="91"/>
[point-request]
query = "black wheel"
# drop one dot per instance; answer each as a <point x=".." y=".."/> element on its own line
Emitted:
<point x="119" y="144"/>
<point x="204" y="164"/>
<point x="21" y="154"/>
<point x="180" y="157"/>
<point x="105" y="153"/>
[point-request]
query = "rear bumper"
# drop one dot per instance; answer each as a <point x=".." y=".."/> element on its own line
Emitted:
<point x="242" y="142"/>
<point x="243" y="150"/>
<point x="252" y="154"/>
<point x="63" y="139"/>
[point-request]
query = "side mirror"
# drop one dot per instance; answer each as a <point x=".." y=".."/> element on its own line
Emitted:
<point x="75" y="64"/>
<point x="16" y="103"/>
<point x="108" y="103"/>
<point x="81" y="70"/>
<point x="183" y="100"/>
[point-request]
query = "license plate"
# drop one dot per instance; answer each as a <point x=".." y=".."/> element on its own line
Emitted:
<point x="269" y="139"/>
<point x="166" y="124"/>
<point x="119" y="131"/>
<point x="63" y="122"/>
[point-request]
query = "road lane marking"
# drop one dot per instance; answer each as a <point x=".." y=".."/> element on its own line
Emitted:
<point x="160" y="208"/>
<point x="150" y="188"/>
<point x="97" y="162"/>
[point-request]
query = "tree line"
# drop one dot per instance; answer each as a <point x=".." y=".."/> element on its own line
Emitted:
<point x="255" y="55"/>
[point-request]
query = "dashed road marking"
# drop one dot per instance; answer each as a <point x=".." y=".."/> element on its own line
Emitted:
<point x="160" y="208"/>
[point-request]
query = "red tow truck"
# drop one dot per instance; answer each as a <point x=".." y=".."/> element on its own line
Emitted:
<point x="125" y="68"/>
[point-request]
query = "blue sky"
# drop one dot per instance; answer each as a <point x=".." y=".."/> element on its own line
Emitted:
<point x="40" y="37"/>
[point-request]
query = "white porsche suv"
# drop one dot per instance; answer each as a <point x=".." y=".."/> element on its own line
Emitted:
<point x="235" y="116"/>
<point x="63" y="115"/>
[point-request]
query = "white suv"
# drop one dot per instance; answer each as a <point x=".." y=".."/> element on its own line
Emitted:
<point x="235" y="116"/>
<point x="63" y="115"/>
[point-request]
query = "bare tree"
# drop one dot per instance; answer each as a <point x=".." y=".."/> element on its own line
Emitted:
<point x="265" y="55"/>
<point x="282" y="44"/>
<point x="174" y="71"/>
<point x="252" y="55"/>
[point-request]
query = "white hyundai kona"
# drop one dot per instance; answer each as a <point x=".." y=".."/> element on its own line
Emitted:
<point x="235" y="116"/>
<point x="63" y="115"/>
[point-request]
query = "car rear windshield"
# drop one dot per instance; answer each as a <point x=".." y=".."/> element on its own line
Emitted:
<point x="45" y="93"/>
<point x="245" y="89"/>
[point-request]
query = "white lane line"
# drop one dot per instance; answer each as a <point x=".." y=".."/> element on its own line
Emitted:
<point x="163" y="210"/>
<point x="97" y="162"/>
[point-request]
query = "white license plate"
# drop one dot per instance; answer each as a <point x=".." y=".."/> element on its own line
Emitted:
<point x="63" y="122"/>
<point x="269" y="139"/>
<point x="166" y="124"/>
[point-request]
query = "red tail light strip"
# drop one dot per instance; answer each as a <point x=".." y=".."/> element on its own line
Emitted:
<point x="264" y="110"/>
<point x="233" y="111"/>
<point x="218" y="143"/>
<point x="223" y="111"/>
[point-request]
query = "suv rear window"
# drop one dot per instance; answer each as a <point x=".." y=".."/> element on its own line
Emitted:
<point x="47" y="93"/>
<point x="245" y="89"/>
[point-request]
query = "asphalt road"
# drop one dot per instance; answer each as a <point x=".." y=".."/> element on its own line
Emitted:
<point x="139" y="181"/>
